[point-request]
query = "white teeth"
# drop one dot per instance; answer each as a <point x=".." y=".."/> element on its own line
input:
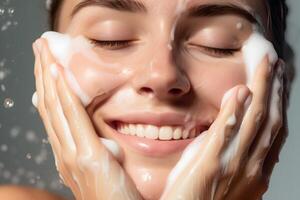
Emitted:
<point x="155" y="132"/>
<point x="151" y="132"/>
<point x="140" y="130"/>
<point x="126" y="129"/>
<point x="132" y="130"/>
<point x="165" y="133"/>
<point x="185" y="134"/>
<point x="177" y="133"/>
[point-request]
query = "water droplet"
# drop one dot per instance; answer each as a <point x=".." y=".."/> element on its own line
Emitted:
<point x="31" y="136"/>
<point x="3" y="88"/>
<point x="14" y="132"/>
<point x="10" y="11"/>
<point x="45" y="141"/>
<point x="28" y="156"/>
<point x="8" y="103"/>
<point x="3" y="147"/>
<point x="2" y="75"/>
<point x="48" y="4"/>
<point x="2" y="11"/>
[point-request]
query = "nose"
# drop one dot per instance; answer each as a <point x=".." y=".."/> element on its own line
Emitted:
<point x="161" y="77"/>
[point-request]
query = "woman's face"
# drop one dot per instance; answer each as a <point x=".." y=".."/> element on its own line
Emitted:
<point x="165" y="66"/>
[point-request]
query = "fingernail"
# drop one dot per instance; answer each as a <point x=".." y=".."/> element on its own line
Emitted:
<point x="243" y="93"/>
<point x="54" y="72"/>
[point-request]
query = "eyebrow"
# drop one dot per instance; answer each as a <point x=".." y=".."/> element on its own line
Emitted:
<point x="120" y="5"/>
<point x="209" y="10"/>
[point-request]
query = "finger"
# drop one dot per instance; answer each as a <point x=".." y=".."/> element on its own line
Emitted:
<point x="52" y="103"/>
<point x="270" y="129"/>
<point x="220" y="137"/>
<point x="57" y="118"/>
<point x="83" y="133"/>
<point x="255" y="115"/>
<point x="45" y="118"/>
<point x="92" y="158"/>
<point x="227" y="123"/>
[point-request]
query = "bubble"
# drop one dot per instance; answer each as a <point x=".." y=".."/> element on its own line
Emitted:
<point x="28" y="156"/>
<point x="31" y="136"/>
<point x="48" y="4"/>
<point x="8" y="103"/>
<point x="2" y="11"/>
<point x="6" y="26"/>
<point x="10" y="11"/>
<point x="3" y="88"/>
<point x="41" y="157"/>
<point x="14" y="132"/>
<point x="2" y="75"/>
<point x="45" y="141"/>
<point x="3" y="147"/>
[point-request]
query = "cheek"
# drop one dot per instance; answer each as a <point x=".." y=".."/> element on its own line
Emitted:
<point x="95" y="77"/>
<point x="212" y="82"/>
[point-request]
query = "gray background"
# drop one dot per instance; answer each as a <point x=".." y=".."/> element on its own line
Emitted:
<point x="25" y="155"/>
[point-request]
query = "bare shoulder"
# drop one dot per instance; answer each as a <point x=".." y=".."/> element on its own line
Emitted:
<point x="12" y="192"/>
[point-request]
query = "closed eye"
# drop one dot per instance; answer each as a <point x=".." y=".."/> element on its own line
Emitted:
<point x="111" y="44"/>
<point x="216" y="52"/>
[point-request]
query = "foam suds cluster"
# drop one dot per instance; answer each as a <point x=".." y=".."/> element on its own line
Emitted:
<point x="63" y="47"/>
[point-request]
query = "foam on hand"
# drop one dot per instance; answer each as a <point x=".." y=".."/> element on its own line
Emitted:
<point x="63" y="47"/>
<point x="254" y="50"/>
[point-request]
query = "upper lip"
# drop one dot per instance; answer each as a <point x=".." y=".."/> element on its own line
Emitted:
<point x="156" y="119"/>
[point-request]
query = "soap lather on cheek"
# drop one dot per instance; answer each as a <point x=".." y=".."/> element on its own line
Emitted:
<point x="63" y="47"/>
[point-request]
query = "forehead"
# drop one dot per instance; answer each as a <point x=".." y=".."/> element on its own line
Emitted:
<point x="165" y="8"/>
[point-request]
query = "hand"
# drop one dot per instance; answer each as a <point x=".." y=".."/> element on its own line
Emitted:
<point x="83" y="162"/>
<point x="234" y="159"/>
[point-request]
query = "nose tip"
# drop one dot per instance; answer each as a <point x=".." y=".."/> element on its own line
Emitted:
<point x="167" y="84"/>
<point x="173" y="92"/>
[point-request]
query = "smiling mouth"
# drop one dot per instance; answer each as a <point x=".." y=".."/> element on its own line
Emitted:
<point x="150" y="131"/>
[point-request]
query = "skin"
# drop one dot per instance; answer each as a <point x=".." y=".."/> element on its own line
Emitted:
<point x="200" y="72"/>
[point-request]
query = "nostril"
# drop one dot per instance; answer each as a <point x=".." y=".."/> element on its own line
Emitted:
<point x="146" y="90"/>
<point x="175" y="91"/>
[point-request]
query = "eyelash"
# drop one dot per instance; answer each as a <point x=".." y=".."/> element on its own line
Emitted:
<point x="218" y="52"/>
<point x="111" y="44"/>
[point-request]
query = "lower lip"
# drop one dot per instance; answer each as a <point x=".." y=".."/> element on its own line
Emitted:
<point x="150" y="147"/>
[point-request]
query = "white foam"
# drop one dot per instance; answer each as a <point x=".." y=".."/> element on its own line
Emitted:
<point x="35" y="99"/>
<point x="63" y="47"/>
<point x="254" y="50"/>
<point x="113" y="147"/>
